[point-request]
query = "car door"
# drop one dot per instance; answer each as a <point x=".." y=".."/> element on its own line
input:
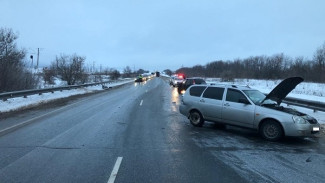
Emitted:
<point x="211" y="103"/>
<point x="236" y="112"/>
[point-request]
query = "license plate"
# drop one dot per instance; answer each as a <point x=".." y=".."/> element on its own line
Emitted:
<point x="315" y="129"/>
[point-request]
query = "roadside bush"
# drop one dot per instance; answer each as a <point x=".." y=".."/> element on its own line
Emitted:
<point x="70" y="68"/>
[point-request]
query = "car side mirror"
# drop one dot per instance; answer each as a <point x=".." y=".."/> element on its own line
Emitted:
<point x="244" y="101"/>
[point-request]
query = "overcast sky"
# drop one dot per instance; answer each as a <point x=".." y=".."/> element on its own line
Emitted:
<point x="166" y="34"/>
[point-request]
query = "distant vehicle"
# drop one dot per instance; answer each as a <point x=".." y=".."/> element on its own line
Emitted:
<point x="176" y="79"/>
<point x="157" y="74"/>
<point x="246" y="107"/>
<point x="189" y="82"/>
<point x="146" y="76"/>
<point x="139" y="79"/>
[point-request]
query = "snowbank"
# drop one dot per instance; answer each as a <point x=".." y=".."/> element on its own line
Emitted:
<point x="33" y="100"/>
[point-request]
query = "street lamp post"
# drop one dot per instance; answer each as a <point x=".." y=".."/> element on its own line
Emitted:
<point x="31" y="57"/>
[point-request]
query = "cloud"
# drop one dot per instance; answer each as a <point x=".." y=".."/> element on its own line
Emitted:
<point x="153" y="34"/>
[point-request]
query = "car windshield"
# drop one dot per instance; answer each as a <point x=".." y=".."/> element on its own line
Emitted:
<point x="257" y="97"/>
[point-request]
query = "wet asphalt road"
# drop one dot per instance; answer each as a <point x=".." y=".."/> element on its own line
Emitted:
<point x="81" y="141"/>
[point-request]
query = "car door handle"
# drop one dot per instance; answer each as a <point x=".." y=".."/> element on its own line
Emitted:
<point x="226" y="104"/>
<point x="202" y="100"/>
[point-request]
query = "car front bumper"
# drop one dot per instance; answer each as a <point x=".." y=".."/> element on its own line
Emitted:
<point x="303" y="130"/>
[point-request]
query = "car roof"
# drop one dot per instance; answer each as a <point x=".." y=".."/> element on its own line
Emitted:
<point x="195" y="78"/>
<point x="240" y="87"/>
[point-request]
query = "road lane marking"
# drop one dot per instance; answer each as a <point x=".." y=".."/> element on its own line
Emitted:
<point x="141" y="102"/>
<point x="115" y="170"/>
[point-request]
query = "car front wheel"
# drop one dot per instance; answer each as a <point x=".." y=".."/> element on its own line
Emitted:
<point x="196" y="118"/>
<point x="271" y="130"/>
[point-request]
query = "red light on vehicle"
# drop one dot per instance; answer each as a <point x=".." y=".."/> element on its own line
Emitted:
<point x="181" y="76"/>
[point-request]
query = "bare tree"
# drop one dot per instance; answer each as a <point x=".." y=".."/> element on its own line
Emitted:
<point x="71" y="68"/>
<point x="48" y="75"/>
<point x="168" y="72"/>
<point x="114" y="74"/>
<point x="319" y="59"/>
<point x="274" y="66"/>
<point x="127" y="72"/>
<point x="13" y="74"/>
<point x="277" y="66"/>
<point x="198" y="70"/>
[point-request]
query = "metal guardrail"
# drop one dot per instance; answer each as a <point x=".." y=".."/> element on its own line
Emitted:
<point x="315" y="105"/>
<point x="25" y="93"/>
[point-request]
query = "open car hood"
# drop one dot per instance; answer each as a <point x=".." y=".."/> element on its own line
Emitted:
<point x="283" y="89"/>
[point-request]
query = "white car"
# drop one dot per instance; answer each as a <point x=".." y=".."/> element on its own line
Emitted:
<point x="246" y="107"/>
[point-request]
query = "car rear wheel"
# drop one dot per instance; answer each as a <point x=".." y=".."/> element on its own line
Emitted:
<point x="271" y="130"/>
<point x="196" y="118"/>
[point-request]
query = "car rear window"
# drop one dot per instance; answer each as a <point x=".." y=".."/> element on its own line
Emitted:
<point x="197" y="90"/>
<point x="214" y="93"/>
<point x="199" y="81"/>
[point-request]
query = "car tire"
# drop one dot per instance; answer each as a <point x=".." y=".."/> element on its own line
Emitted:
<point x="196" y="118"/>
<point x="271" y="130"/>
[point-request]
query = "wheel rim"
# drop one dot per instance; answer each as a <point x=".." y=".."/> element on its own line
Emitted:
<point x="195" y="118"/>
<point x="271" y="131"/>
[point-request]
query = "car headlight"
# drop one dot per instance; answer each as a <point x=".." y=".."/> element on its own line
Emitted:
<point x="299" y="120"/>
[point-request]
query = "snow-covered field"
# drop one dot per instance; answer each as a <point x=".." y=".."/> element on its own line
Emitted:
<point x="33" y="100"/>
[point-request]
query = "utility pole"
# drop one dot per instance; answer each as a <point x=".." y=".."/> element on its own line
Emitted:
<point x="37" y="58"/>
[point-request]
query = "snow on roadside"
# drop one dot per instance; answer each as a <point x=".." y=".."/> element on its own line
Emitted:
<point x="17" y="103"/>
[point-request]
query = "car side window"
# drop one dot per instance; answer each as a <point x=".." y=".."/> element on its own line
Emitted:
<point x="234" y="96"/>
<point x="214" y="93"/>
<point x="197" y="90"/>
